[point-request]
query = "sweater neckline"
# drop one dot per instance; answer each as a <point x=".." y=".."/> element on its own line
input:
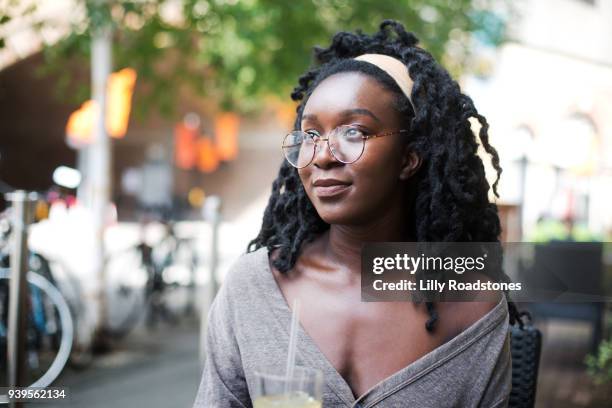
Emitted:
<point x="310" y="352"/>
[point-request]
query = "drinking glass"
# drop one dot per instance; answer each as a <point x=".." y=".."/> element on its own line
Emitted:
<point x="302" y="390"/>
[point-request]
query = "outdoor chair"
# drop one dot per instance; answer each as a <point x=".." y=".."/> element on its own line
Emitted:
<point x="526" y="343"/>
<point x="580" y="264"/>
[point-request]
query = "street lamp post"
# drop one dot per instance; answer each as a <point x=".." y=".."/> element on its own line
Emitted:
<point x="23" y="209"/>
<point x="99" y="156"/>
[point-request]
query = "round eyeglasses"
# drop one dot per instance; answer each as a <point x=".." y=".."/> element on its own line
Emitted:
<point x="346" y="143"/>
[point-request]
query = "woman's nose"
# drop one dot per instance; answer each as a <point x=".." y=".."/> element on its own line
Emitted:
<point x="323" y="154"/>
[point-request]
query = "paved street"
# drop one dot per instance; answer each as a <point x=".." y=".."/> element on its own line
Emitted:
<point x="158" y="369"/>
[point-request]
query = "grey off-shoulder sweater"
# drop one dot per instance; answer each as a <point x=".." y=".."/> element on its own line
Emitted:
<point x="247" y="331"/>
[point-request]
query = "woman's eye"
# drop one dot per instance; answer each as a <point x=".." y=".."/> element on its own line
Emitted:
<point x="353" y="133"/>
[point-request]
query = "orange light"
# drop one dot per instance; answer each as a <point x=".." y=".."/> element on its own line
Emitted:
<point x="119" y="103"/>
<point x="80" y="124"/>
<point x="185" y="146"/>
<point x="120" y="87"/>
<point x="226" y="135"/>
<point x="208" y="159"/>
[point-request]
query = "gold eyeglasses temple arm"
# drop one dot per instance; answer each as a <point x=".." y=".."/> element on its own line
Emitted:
<point x="365" y="137"/>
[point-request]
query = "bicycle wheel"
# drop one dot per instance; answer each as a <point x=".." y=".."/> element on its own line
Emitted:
<point x="48" y="318"/>
<point x="126" y="276"/>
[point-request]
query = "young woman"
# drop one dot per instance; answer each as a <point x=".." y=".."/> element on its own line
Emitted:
<point x="382" y="151"/>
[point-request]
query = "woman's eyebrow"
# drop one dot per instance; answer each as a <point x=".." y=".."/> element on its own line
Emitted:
<point x="309" y="116"/>
<point x="344" y="113"/>
<point x="360" y="111"/>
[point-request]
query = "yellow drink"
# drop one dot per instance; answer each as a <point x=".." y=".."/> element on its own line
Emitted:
<point x="293" y="400"/>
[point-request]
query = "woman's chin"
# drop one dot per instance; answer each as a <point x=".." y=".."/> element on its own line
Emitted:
<point x="337" y="216"/>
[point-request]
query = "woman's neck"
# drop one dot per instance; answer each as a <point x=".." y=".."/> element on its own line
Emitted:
<point x="345" y="242"/>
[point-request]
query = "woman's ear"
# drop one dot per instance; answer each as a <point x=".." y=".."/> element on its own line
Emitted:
<point x="410" y="164"/>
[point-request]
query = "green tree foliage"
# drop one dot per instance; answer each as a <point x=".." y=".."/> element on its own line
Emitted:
<point x="599" y="365"/>
<point x="238" y="51"/>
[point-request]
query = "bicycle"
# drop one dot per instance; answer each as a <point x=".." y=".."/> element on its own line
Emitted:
<point x="49" y="330"/>
<point x="127" y="273"/>
<point x="49" y="318"/>
<point x="160" y="295"/>
<point x="176" y="258"/>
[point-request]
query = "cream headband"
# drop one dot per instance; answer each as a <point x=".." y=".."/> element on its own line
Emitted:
<point x="396" y="70"/>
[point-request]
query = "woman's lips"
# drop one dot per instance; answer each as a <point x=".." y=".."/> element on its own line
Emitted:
<point x="331" y="190"/>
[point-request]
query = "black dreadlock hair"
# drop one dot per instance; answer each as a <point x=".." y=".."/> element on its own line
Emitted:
<point x="451" y="191"/>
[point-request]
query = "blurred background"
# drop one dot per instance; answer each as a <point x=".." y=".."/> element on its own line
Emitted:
<point x="138" y="216"/>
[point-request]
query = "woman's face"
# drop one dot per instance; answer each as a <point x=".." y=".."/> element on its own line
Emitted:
<point x="359" y="192"/>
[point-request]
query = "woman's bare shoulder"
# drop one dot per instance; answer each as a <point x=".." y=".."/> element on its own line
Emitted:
<point x="458" y="316"/>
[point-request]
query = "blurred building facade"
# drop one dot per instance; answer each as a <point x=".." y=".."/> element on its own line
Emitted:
<point x="547" y="97"/>
<point x="33" y="144"/>
<point x="33" y="122"/>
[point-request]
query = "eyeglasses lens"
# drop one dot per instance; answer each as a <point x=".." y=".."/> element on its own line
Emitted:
<point x="346" y="144"/>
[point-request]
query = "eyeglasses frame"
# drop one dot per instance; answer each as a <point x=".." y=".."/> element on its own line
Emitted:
<point x="326" y="139"/>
